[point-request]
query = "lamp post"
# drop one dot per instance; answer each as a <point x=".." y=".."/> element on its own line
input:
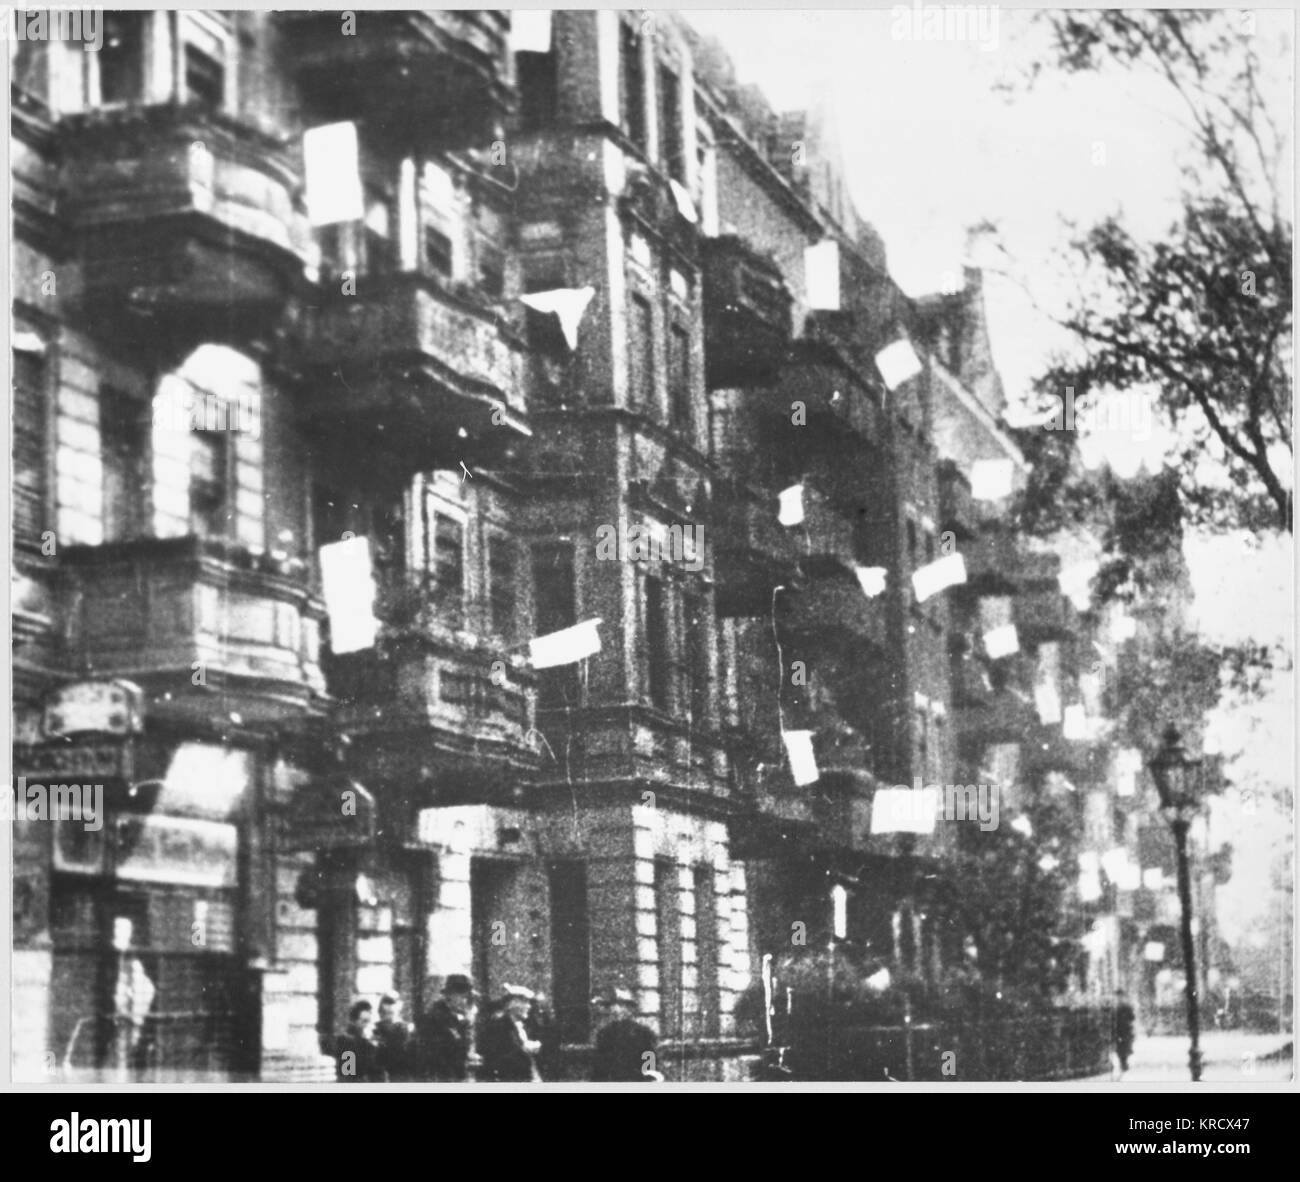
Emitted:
<point x="1178" y="781"/>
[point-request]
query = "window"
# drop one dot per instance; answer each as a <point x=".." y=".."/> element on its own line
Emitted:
<point x="205" y="78"/>
<point x="706" y="935"/>
<point x="501" y="585"/>
<point x="205" y="38"/>
<point x="538" y="89"/>
<point x="658" y="639"/>
<point x="670" y="124"/>
<point x="447" y="581"/>
<point x="388" y="533"/>
<point x="121" y="58"/>
<point x="210" y="484"/>
<point x="668" y="912"/>
<point x="554" y="608"/>
<point x="545" y="272"/>
<point x="123" y="444"/>
<point x="491" y="268"/>
<point x="381" y="253"/>
<point x="631" y="89"/>
<point x="437" y="251"/>
<point x="571" y="950"/>
<point x="697" y="656"/>
<point x="438" y="215"/>
<point x="641" y="352"/>
<point x="29" y="482"/>
<point x="679" y="378"/>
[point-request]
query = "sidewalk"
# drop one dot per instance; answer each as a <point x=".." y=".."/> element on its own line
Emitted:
<point x="1228" y="1056"/>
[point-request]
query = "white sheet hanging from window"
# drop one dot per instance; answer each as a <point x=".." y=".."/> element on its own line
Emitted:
<point x="530" y="30"/>
<point x="898" y="363"/>
<point x="803" y="762"/>
<point x="349" y="588"/>
<point x="821" y="265"/>
<point x="904" y="810"/>
<point x="790" y="505"/>
<point x="567" y="305"/>
<point x="948" y="571"/>
<point x="332" y="168"/>
<point x="566" y="646"/>
<point x="871" y="579"/>
<point x="1001" y="642"/>
<point x="991" y="480"/>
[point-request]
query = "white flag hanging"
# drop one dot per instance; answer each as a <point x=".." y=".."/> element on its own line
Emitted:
<point x="1001" y="642"/>
<point x="1089" y="887"/>
<point x="1048" y="704"/>
<point x="948" y="571"/>
<point x="685" y="206"/>
<point x="991" y="480"/>
<point x="1074" y="723"/>
<point x="349" y="588"/>
<point x="332" y="174"/>
<point x="898" y="363"/>
<point x="1123" y="627"/>
<point x="904" y="810"/>
<point x="821" y="266"/>
<point x="530" y="30"/>
<point x="871" y="579"/>
<point x="567" y="304"/>
<point x="565" y="646"/>
<point x="803" y="763"/>
<point x="791" y="507"/>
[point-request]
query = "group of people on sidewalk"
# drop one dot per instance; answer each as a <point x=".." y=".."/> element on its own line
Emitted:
<point x="517" y="1041"/>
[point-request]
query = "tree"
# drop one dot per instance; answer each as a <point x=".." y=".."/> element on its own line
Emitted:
<point x="1202" y="317"/>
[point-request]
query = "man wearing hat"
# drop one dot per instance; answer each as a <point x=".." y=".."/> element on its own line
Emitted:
<point x="446" y="1035"/>
<point x="626" y="1051"/>
<point x="509" y="1050"/>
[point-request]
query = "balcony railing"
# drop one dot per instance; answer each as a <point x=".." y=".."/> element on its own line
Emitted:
<point x="434" y="78"/>
<point x="746" y="314"/>
<point x="416" y="366"/>
<point x="161" y="611"/>
<point x="428" y="679"/>
<point x="181" y="210"/>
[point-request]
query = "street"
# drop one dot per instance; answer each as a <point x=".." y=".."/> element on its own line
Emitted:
<point x="1230" y="1057"/>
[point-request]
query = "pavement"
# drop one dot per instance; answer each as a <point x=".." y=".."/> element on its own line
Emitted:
<point x="1228" y="1057"/>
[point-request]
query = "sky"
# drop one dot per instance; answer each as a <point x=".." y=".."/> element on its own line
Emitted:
<point x="931" y="145"/>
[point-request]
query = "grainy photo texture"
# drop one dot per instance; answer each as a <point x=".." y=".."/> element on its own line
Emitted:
<point x="634" y="546"/>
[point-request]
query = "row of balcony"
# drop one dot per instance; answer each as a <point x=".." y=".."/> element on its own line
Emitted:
<point x="778" y="816"/>
<point x="417" y="78"/>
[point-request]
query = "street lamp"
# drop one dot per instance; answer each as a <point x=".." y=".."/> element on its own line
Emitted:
<point x="1178" y="781"/>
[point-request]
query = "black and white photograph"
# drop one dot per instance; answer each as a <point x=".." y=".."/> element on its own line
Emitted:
<point x="704" y="548"/>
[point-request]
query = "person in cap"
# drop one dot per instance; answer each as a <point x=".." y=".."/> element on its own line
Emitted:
<point x="626" y="1051"/>
<point x="446" y="1033"/>
<point x="543" y="1028"/>
<point x="509" y="1049"/>
<point x="357" y="1057"/>
<point x="395" y="1042"/>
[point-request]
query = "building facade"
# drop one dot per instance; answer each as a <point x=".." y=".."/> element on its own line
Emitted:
<point x="353" y="353"/>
